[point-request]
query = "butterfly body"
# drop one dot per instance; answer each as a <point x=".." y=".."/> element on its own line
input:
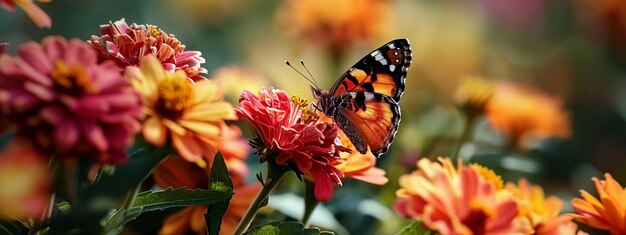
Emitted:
<point x="364" y="100"/>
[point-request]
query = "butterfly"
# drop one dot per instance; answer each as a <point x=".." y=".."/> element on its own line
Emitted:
<point x="364" y="100"/>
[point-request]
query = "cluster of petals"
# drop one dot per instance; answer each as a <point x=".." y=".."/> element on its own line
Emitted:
<point x="459" y="200"/>
<point x="36" y="14"/>
<point x="127" y="44"/>
<point x="176" y="172"/>
<point x="526" y="116"/>
<point x="541" y="212"/>
<point x="59" y="95"/>
<point x="189" y="114"/>
<point x="608" y="211"/>
<point x="309" y="148"/>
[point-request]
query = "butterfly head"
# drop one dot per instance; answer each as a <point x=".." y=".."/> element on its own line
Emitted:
<point x="320" y="95"/>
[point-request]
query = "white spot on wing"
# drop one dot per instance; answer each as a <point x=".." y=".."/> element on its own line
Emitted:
<point x="375" y="53"/>
<point x="392" y="46"/>
<point x="392" y="67"/>
<point x="369" y="97"/>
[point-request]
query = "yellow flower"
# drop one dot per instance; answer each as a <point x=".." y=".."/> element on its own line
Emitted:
<point x="474" y="93"/>
<point x="608" y="211"/>
<point x="541" y="212"/>
<point x="190" y="114"/>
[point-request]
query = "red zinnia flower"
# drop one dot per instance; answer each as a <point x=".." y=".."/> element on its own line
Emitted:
<point x="126" y="45"/>
<point x="286" y="130"/>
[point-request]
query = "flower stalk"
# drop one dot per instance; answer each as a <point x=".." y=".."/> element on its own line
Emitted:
<point x="274" y="173"/>
<point x="466" y="135"/>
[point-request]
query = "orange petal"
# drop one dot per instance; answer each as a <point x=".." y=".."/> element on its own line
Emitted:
<point x="41" y="19"/>
<point x="187" y="147"/>
<point x="177" y="223"/>
<point x="154" y="132"/>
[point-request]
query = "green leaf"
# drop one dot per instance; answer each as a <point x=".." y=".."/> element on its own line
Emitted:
<point x="159" y="200"/>
<point x="7" y="227"/>
<point x="285" y="228"/>
<point x="219" y="181"/>
<point x="415" y="228"/>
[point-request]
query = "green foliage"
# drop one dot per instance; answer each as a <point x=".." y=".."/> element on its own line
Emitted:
<point x="219" y="181"/>
<point x="285" y="228"/>
<point x="160" y="200"/>
<point x="415" y="228"/>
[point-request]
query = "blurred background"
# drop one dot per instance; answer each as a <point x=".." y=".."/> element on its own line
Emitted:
<point x="557" y="63"/>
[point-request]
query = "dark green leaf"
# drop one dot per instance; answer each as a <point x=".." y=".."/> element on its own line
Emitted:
<point x="219" y="181"/>
<point x="415" y="228"/>
<point x="7" y="227"/>
<point x="285" y="228"/>
<point x="159" y="200"/>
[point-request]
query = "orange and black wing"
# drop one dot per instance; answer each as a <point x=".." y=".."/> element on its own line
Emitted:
<point x="381" y="71"/>
<point x="368" y="119"/>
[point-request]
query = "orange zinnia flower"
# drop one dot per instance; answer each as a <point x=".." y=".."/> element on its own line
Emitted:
<point x="526" y="115"/>
<point x="190" y="114"/>
<point x="349" y="22"/>
<point x="358" y="166"/>
<point x="542" y="213"/>
<point x="456" y="200"/>
<point x="24" y="183"/>
<point x="608" y="211"/>
<point x="176" y="172"/>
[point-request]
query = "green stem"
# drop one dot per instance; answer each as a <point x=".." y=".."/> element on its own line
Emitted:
<point x="119" y="217"/>
<point x="274" y="174"/>
<point x="466" y="135"/>
<point x="310" y="202"/>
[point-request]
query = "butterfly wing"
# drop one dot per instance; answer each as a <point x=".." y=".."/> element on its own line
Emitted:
<point x="368" y="119"/>
<point x="381" y="71"/>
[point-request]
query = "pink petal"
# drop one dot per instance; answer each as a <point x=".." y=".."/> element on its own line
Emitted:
<point x="34" y="55"/>
<point x="95" y="135"/>
<point x="54" y="47"/>
<point x="66" y="134"/>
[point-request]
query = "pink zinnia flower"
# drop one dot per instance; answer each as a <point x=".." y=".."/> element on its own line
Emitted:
<point x="294" y="139"/>
<point x="457" y="201"/>
<point x="126" y="45"/>
<point x="58" y="95"/>
<point x="41" y="19"/>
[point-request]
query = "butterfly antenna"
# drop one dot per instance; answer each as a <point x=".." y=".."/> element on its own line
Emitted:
<point x="301" y="74"/>
<point x="311" y="75"/>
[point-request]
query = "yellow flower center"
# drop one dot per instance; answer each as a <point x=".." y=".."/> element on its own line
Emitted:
<point x="489" y="175"/>
<point x="309" y="115"/>
<point x="175" y="95"/>
<point x="154" y="31"/>
<point x="73" y="80"/>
